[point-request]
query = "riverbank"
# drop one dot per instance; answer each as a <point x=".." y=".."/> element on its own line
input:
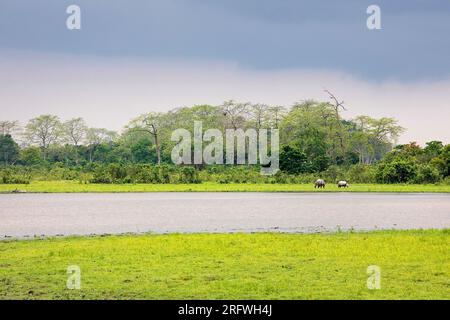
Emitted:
<point x="76" y="187"/>
<point x="413" y="265"/>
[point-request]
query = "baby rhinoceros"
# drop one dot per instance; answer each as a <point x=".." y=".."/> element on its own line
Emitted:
<point x="343" y="184"/>
<point x="320" y="183"/>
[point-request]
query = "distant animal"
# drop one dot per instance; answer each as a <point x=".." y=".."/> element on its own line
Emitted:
<point x="18" y="191"/>
<point x="343" y="184"/>
<point x="320" y="183"/>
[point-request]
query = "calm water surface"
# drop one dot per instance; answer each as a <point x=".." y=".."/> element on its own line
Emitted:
<point x="25" y="215"/>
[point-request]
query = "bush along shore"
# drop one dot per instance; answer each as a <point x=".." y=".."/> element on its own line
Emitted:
<point x="394" y="172"/>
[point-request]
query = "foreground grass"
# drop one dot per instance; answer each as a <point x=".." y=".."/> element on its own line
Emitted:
<point x="73" y="186"/>
<point x="414" y="265"/>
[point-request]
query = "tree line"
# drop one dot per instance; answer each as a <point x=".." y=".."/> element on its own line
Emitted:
<point x="314" y="138"/>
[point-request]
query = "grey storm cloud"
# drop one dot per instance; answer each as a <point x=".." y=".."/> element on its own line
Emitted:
<point x="256" y="34"/>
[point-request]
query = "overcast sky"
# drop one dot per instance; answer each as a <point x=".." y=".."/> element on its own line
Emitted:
<point x="136" y="56"/>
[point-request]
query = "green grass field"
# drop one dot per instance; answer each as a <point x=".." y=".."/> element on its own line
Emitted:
<point x="73" y="186"/>
<point x="414" y="265"/>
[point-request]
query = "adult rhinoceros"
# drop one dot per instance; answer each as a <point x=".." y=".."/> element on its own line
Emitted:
<point x="343" y="184"/>
<point x="320" y="183"/>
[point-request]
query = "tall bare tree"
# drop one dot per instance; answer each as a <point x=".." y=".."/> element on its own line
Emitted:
<point x="9" y="127"/>
<point x="74" y="131"/>
<point x="336" y="103"/>
<point x="339" y="132"/>
<point x="276" y="115"/>
<point x="43" y="130"/>
<point x="152" y="123"/>
<point x="374" y="137"/>
<point x="259" y="115"/>
<point x="235" y="113"/>
<point x="386" y="129"/>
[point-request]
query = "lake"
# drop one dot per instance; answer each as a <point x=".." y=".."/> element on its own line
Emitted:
<point x="27" y="215"/>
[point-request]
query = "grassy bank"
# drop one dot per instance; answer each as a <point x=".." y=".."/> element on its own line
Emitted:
<point x="73" y="186"/>
<point x="414" y="265"/>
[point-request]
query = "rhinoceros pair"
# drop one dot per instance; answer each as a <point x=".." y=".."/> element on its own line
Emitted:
<point x="320" y="183"/>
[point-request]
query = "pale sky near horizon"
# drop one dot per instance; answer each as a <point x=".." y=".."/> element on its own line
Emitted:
<point x="131" y="58"/>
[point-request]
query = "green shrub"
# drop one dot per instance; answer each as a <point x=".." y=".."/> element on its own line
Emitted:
<point x="293" y="160"/>
<point x="427" y="174"/>
<point x="334" y="173"/>
<point x="164" y="173"/>
<point x="101" y="175"/>
<point x="31" y="156"/>
<point x="189" y="175"/>
<point x="280" y="177"/>
<point x="10" y="176"/>
<point x="361" y="173"/>
<point x="397" y="171"/>
<point x="446" y="181"/>
<point x="305" y="178"/>
<point x="85" y="178"/>
<point x="146" y="174"/>
<point x="60" y="173"/>
<point x="117" y="172"/>
<point x="223" y="179"/>
<point x="439" y="164"/>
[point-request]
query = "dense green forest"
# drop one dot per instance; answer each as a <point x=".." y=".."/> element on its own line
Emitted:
<point x="315" y="141"/>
